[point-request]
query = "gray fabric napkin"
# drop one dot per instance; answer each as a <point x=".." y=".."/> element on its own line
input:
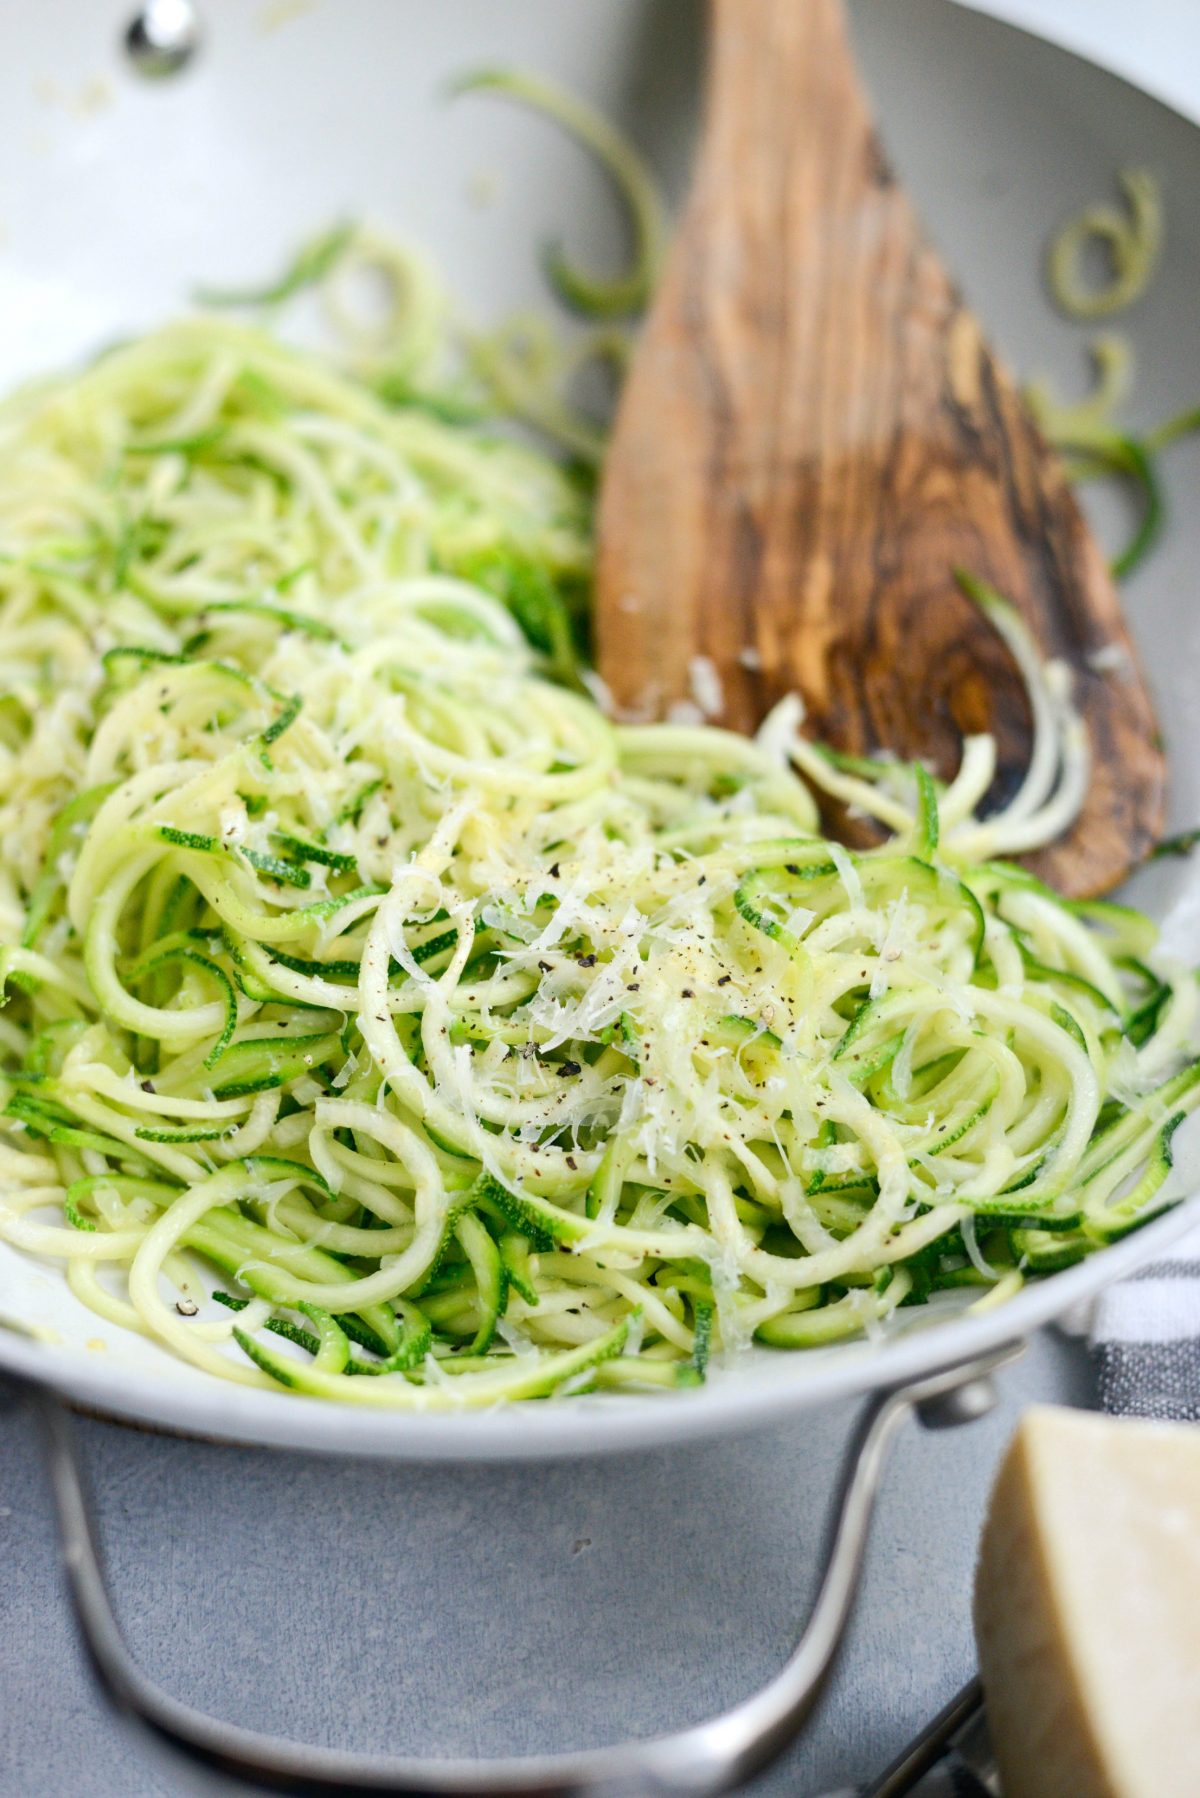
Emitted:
<point x="1146" y="1338"/>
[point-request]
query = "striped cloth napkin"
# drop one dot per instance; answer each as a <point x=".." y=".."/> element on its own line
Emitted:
<point x="1145" y="1335"/>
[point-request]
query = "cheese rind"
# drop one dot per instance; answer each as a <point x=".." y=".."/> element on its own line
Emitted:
<point x="1087" y="1608"/>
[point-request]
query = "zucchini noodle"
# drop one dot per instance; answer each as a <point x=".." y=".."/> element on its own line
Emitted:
<point x="389" y="314"/>
<point x="385" y="1023"/>
<point x="312" y="264"/>
<point x="593" y="295"/>
<point x="1132" y="242"/>
<point x="1092" y="418"/>
<point x="1094" y="445"/>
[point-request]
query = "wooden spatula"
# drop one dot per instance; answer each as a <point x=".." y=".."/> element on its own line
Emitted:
<point x="814" y="435"/>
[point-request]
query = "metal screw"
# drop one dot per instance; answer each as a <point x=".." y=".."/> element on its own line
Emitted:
<point x="163" y="37"/>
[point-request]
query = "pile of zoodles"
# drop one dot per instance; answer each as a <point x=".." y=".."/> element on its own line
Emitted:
<point x="384" y="1022"/>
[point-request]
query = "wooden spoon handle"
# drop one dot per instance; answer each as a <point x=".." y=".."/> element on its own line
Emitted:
<point x="728" y="372"/>
<point x="815" y="435"/>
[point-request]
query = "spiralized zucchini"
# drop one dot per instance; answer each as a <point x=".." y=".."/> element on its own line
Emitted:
<point x="385" y="1023"/>
<point x="1133" y="242"/>
<point x="594" y="296"/>
<point x="1095" y="445"/>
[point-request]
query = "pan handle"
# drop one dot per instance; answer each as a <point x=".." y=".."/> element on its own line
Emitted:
<point x="700" y="1762"/>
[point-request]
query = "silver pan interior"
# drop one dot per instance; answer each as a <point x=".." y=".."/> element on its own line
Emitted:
<point x="118" y="195"/>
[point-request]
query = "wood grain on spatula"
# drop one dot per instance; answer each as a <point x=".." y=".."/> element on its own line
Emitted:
<point x="814" y="435"/>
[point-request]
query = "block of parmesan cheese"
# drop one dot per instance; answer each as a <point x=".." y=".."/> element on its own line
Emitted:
<point x="1087" y="1608"/>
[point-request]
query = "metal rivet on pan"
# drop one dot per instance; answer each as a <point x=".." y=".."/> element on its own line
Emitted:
<point x="964" y="1404"/>
<point x="163" y="37"/>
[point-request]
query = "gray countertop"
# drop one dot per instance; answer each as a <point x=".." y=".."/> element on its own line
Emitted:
<point x="473" y="1610"/>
